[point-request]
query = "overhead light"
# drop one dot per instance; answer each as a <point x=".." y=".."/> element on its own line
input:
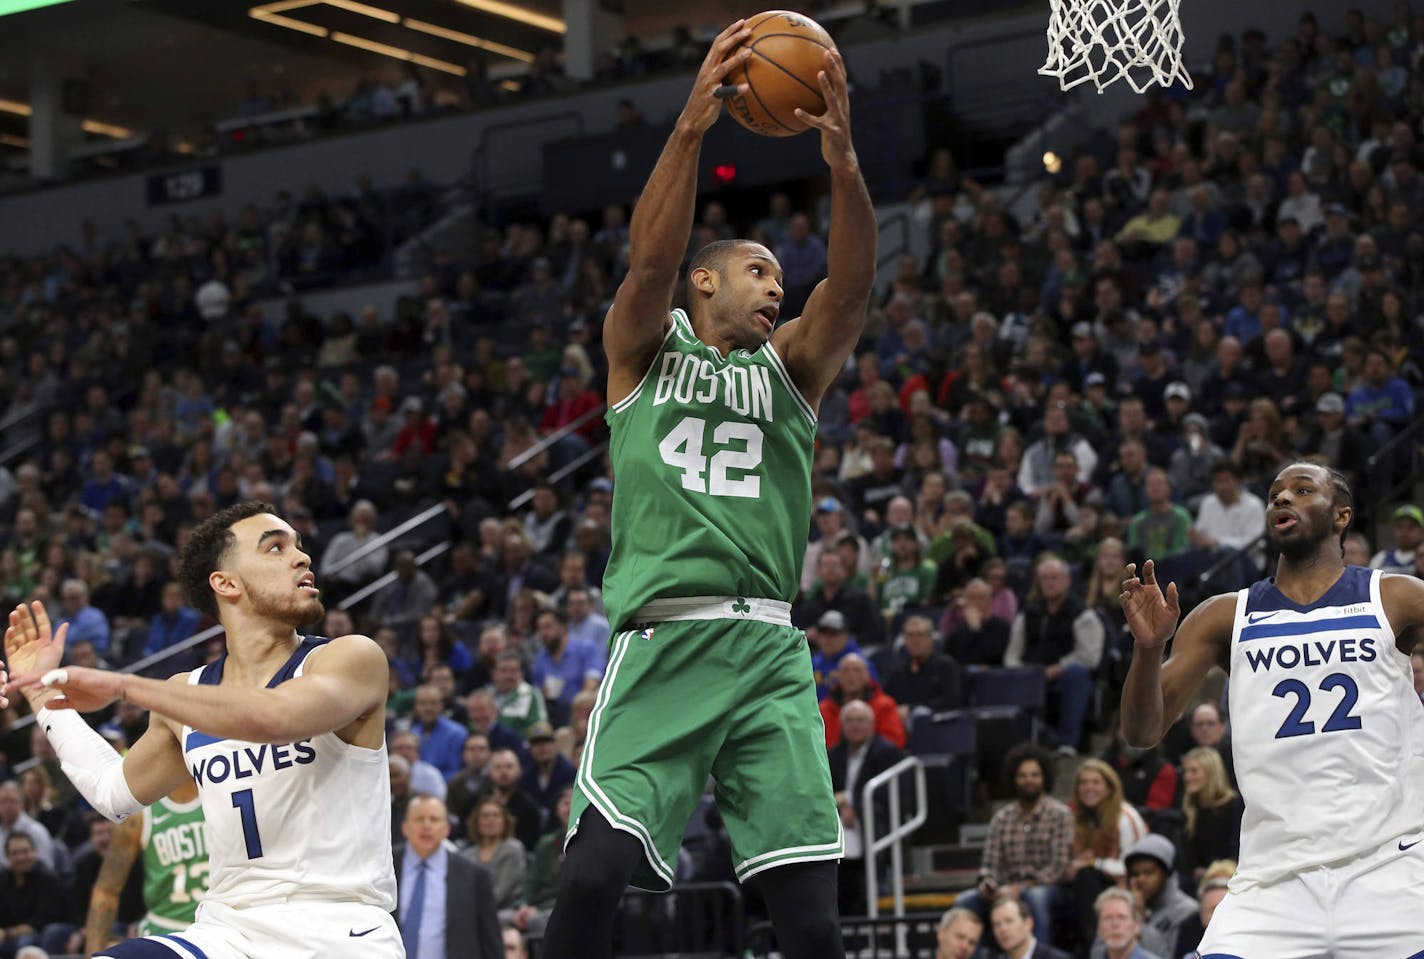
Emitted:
<point x="289" y="23"/>
<point x="11" y="141"/>
<point x="89" y="126"/>
<point x="469" y="39"/>
<point x="397" y="53"/>
<point x="511" y="12"/>
<point x="364" y="9"/>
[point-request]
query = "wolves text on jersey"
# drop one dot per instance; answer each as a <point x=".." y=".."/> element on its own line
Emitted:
<point x="247" y="761"/>
<point x="745" y="390"/>
<point x="1312" y="653"/>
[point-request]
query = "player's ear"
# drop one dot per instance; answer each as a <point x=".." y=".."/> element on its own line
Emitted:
<point x="704" y="280"/>
<point x="224" y="584"/>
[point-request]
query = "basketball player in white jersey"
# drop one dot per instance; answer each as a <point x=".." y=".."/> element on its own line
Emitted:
<point x="284" y="736"/>
<point x="1327" y="733"/>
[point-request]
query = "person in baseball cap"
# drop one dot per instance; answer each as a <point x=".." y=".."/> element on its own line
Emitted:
<point x="833" y="643"/>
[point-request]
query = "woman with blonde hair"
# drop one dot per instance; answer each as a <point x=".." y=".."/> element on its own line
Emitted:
<point x="1212" y="810"/>
<point x="1104" y="824"/>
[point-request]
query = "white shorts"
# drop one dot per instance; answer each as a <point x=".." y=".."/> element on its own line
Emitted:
<point x="1369" y="907"/>
<point x="291" y="930"/>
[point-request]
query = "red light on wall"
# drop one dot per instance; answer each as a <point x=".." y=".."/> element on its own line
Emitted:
<point x="724" y="172"/>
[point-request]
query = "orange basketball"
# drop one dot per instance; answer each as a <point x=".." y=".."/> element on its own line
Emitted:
<point x="788" y="50"/>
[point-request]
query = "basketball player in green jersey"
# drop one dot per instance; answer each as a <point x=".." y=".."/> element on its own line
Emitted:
<point x="712" y="414"/>
<point x="172" y="839"/>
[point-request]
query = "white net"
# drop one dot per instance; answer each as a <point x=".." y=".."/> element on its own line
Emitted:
<point x="1106" y="40"/>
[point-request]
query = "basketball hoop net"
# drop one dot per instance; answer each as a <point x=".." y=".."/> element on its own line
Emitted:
<point x="1106" y="40"/>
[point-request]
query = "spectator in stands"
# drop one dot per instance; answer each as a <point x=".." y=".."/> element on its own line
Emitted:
<point x="436" y="645"/>
<point x="834" y="593"/>
<point x="31" y="901"/>
<point x="1149" y="783"/>
<point x="342" y="580"/>
<point x="541" y="881"/>
<point x="15" y="821"/>
<point x="174" y="622"/>
<point x="1119" y="925"/>
<point x="1380" y="406"/>
<point x="833" y="643"/>
<point x="857" y="758"/>
<point x="957" y="934"/>
<point x="1163" y="528"/>
<point x="830" y="518"/>
<point x="469" y="779"/>
<point x="1332" y="441"/>
<point x="86" y="623"/>
<point x="484" y="718"/>
<point x="441" y="739"/>
<point x="585" y="623"/>
<point x="1230" y="516"/>
<point x="400" y="603"/>
<point x="853" y="682"/>
<point x="520" y="705"/>
<point x="1015" y="933"/>
<point x="1104" y="824"/>
<point x="922" y="675"/>
<point x="1208" y="729"/>
<point x="974" y="634"/>
<point x="1056" y="631"/>
<point x="803" y="263"/>
<point x="1165" y="907"/>
<point x="564" y="666"/>
<point x="1037" y="472"/>
<point x="41" y="803"/>
<point x="1212" y="811"/>
<point x="492" y="844"/>
<point x="1060" y="504"/>
<point x="1030" y="842"/>
<point x="1408" y="534"/>
<point x="905" y="582"/>
<point x="545" y="524"/>
<point x="547" y="773"/>
<point x="503" y="785"/>
<point x="1127" y="493"/>
<point x="423" y="776"/>
<point x="1210" y="891"/>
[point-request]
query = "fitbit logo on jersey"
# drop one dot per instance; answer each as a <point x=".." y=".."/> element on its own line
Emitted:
<point x="1312" y="654"/>
<point x="251" y="760"/>
<point x="746" y="390"/>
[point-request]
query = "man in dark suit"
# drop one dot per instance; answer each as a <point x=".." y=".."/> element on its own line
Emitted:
<point x="1013" y="931"/>
<point x="859" y="757"/>
<point x="447" y="908"/>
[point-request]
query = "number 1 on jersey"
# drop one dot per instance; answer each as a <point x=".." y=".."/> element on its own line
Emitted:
<point x="242" y="802"/>
<point x="682" y="450"/>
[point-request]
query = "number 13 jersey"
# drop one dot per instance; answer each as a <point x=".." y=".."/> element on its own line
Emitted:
<point x="711" y="459"/>
<point x="1327" y="733"/>
<point x="309" y="820"/>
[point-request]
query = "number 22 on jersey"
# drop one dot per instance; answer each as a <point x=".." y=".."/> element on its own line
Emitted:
<point x="726" y="471"/>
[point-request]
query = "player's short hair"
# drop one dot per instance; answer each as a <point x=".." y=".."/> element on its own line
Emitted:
<point x="714" y="256"/>
<point x="207" y="548"/>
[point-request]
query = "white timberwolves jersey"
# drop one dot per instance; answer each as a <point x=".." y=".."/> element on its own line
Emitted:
<point x="1325" y="728"/>
<point x="303" y="820"/>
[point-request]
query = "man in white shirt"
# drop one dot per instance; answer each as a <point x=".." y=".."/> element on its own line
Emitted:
<point x="1230" y="516"/>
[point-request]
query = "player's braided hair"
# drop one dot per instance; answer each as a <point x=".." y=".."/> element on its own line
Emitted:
<point x="205" y="549"/>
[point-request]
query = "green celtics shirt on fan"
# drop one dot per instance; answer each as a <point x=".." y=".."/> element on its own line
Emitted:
<point x="693" y="448"/>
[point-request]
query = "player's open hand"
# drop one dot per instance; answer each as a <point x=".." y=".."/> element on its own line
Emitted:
<point x="32" y="648"/>
<point x="1151" y="613"/>
<point x="704" y="104"/>
<point x="836" y="146"/>
<point x="77" y="687"/>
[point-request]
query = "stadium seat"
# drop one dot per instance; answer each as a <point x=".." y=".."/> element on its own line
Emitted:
<point x="943" y="734"/>
<point x="1021" y="686"/>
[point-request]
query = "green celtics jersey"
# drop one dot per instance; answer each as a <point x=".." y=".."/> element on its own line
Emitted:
<point x="712" y="478"/>
<point x="175" y="862"/>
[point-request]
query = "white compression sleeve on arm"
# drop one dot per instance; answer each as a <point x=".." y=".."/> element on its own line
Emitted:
<point x="90" y="763"/>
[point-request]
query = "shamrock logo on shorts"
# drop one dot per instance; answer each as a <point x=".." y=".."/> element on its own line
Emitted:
<point x="741" y="606"/>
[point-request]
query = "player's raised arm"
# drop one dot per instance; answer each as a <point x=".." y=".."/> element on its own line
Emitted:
<point x="343" y="682"/>
<point x="662" y="220"/>
<point x="816" y="346"/>
<point x="109" y="886"/>
<point x="1155" y="693"/>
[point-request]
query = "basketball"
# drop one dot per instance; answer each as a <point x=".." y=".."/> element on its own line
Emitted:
<point x="788" y="50"/>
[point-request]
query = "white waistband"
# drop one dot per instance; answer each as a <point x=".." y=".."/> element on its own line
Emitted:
<point x="772" y="611"/>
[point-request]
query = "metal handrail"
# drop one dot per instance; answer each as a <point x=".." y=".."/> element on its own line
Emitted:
<point x="568" y="469"/>
<point x="902" y="219"/>
<point x="898" y="831"/>
<point x="419" y="519"/>
<point x="545" y="442"/>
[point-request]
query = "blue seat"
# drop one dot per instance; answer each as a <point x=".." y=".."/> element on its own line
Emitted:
<point x="943" y="734"/>
<point x="1021" y="686"/>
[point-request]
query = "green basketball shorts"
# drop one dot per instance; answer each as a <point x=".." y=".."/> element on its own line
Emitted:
<point x="710" y="686"/>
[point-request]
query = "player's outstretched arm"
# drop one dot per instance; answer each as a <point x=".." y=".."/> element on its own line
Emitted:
<point x="662" y="221"/>
<point x="1403" y="599"/>
<point x="816" y="346"/>
<point x="343" y="682"/>
<point x="1155" y="693"/>
<point x="113" y="873"/>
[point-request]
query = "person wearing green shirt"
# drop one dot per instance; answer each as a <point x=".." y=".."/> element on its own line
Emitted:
<point x="907" y="579"/>
<point x="1163" y="528"/>
<point x="520" y="705"/>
